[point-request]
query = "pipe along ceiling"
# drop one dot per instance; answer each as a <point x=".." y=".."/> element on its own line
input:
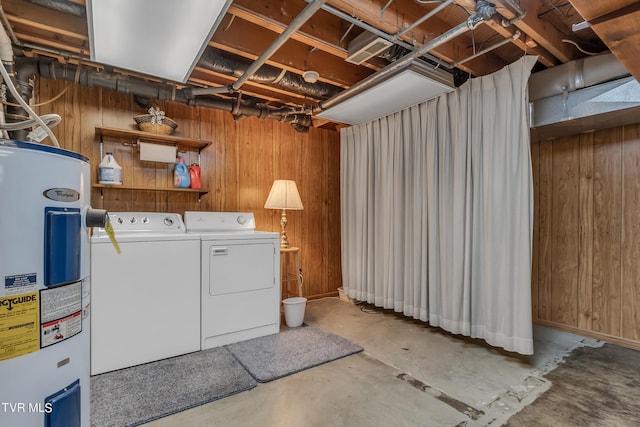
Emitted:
<point x="214" y="60"/>
<point x="234" y="102"/>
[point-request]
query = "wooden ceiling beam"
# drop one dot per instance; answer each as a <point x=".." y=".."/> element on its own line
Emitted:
<point x="617" y="23"/>
<point x="66" y="23"/>
<point x="544" y="34"/>
<point x="53" y="44"/>
<point x="294" y="56"/>
<point x="395" y="20"/>
<point x="590" y="10"/>
<point x="322" y="24"/>
<point x="544" y="56"/>
<point x="37" y="26"/>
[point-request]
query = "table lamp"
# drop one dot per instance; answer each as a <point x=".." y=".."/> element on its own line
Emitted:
<point x="284" y="195"/>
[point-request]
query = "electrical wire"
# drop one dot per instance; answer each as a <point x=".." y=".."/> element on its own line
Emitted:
<point x="27" y="108"/>
<point x="51" y="120"/>
<point x="49" y="101"/>
<point x="579" y="48"/>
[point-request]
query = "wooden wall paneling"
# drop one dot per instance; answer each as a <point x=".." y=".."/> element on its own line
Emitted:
<point x="585" y="230"/>
<point x="238" y="169"/>
<point x="90" y="105"/>
<point x="630" y="293"/>
<point x="565" y="241"/>
<point x="330" y="202"/>
<point x="117" y="112"/>
<point x="146" y="174"/>
<point x="255" y="152"/>
<point x="49" y="89"/>
<point x="293" y="167"/>
<point x="332" y="239"/>
<point x="535" y="169"/>
<point x="210" y="172"/>
<point x="280" y="137"/>
<point x="247" y="168"/>
<point x="188" y="120"/>
<point x="290" y="165"/>
<point x="71" y="120"/>
<point x="545" y="254"/>
<point x="285" y="166"/>
<point x="265" y="146"/>
<point x="231" y="165"/>
<point x="313" y="185"/>
<point x="607" y="189"/>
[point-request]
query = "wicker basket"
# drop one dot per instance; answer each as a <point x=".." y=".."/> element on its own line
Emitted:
<point x="165" y="128"/>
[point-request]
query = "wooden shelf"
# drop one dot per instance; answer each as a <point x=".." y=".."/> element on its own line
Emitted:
<point x="187" y="144"/>
<point x="184" y="144"/>
<point x="200" y="191"/>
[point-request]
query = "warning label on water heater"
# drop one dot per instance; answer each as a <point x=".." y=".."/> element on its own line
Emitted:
<point x="60" y="313"/>
<point x="18" y="325"/>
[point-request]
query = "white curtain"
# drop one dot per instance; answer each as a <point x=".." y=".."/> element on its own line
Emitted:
<point x="437" y="210"/>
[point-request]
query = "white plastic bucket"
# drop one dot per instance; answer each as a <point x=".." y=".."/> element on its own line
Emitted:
<point x="294" y="311"/>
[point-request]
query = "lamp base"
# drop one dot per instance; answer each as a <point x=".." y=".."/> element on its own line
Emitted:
<point x="284" y="242"/>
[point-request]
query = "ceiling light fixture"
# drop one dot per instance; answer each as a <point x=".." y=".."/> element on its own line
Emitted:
<point x="410" y="85"/>
<point x="310" y="76"/>
<point x="162" y="38"/>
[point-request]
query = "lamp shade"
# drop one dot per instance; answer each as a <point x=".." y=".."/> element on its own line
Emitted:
<point x="284" y="195"/>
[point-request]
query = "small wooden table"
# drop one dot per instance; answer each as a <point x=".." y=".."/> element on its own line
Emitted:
<point x="291" y="271"/>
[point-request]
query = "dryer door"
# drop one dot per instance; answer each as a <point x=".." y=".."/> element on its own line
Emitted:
<point x="240" y="267"/>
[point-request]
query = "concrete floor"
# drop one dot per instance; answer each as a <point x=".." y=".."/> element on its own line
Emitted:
<point x="408" y="375"/>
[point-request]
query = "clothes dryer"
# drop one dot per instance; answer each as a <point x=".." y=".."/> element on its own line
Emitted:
<point x="240" y="277"/>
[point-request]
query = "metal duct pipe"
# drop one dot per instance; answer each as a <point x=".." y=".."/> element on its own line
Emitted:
<point x="164" y="92"/>
<point x="294" y="26"/>
<point x="233" y="65"/>
<point x="484" y="12"/>
<point x="574" y="75"/>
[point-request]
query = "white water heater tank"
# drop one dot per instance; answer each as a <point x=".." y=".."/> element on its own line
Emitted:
<point x="44" y="285"/>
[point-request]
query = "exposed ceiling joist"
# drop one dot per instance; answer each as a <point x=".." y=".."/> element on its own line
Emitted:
<point x="321" y="44"/>
<point x="617" y="23"/>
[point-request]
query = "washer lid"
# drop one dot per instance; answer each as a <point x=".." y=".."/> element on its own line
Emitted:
<point x="219" y="221"/>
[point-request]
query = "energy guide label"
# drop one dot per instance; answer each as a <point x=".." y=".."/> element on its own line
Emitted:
<point x="18" y="325"/>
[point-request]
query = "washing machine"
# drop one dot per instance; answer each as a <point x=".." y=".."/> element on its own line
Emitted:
<point x="146" y="299"/>
<point x="240" y="277"/>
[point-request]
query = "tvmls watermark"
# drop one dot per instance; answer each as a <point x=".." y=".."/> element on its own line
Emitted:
<point x="26" y="407"/>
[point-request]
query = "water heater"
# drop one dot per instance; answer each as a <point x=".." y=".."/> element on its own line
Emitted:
<point x="44" y="285"/>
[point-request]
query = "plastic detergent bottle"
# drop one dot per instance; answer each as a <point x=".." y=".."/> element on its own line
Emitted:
<point x="181" y="177"/>
<point x="109" y="171"/>
<point x="194" y="173"/>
